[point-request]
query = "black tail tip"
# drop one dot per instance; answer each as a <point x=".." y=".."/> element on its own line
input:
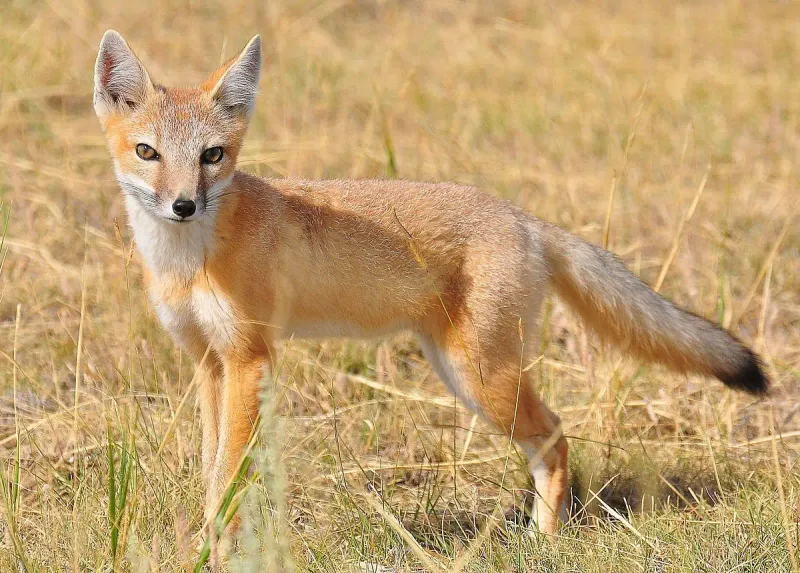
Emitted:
<point x="749" y="377"/>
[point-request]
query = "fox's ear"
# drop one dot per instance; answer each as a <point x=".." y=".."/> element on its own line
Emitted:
<point x="120" y="81"/>
<point x="235" y="83"/>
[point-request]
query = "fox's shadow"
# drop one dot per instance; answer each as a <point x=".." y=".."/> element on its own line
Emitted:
<point x="593" y="499"/>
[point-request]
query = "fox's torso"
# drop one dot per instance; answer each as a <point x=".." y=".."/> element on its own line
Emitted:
<point x="327" y="258"/>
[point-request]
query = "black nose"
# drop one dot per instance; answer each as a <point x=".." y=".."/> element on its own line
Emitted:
<point x="184" y="208"/>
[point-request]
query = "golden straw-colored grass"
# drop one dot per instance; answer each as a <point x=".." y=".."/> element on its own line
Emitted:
<point x="667" y="130"/>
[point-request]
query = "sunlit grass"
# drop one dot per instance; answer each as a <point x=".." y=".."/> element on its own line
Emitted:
<point x="666" y="131"/>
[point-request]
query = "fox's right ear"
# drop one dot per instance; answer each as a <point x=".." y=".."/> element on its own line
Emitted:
<point x="120" y="81"/>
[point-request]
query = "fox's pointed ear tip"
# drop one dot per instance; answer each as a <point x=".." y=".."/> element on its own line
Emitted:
<point x="111" y="35"/>
<point x="255" y="41"/>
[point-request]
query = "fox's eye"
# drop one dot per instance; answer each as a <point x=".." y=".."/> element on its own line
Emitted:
<point x="212" y="155"/>
<point x="146" y="152"/>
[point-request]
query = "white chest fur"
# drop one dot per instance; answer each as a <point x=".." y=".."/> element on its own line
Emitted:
<point x="175" y="253"/>
<point x="172" y="248"/>
<point x="176" y="319"/>
<point x="204" y="312"/>
<point x="215" y="316"/>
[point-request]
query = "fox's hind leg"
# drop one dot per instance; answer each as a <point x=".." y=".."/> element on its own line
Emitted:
<point x="547" y="462"/>
<point x="488" y="377"/>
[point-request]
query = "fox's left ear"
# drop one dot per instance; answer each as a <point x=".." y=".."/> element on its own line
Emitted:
<point x="235" y="83"/>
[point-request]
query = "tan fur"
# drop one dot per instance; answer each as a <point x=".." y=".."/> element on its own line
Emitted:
<point x="465" y="271"/>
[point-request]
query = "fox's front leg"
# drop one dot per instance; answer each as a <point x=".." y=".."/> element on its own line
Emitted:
<point x="238" y="414"/>
<point x="209" y="375"/>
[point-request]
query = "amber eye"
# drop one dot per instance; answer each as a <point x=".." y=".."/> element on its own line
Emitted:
<point x="146" y="152"/>
<point x="212" y="155"/>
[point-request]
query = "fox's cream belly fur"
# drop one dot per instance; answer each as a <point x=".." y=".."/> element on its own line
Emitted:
<point x="340" y="329"/>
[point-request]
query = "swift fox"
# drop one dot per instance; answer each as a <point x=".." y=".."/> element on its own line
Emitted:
<point x="234" y="263"/>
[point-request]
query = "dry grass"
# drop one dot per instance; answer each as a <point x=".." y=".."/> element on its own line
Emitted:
<point x="551" y="105"/>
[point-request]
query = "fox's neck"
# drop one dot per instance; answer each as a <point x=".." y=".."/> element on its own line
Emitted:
<point x="173" y="250"/>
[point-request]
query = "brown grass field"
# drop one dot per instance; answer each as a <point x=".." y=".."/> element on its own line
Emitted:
<point x="668" y="130"/>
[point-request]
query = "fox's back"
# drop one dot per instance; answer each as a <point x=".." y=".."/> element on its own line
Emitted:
<point x="370" y="252"/>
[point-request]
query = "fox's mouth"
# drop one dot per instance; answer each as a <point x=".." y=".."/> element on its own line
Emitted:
<point x="174" y="220"/>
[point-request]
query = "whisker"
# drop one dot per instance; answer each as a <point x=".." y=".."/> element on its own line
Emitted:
<point x="138" y="192"/>
<point x="219" y="195"/>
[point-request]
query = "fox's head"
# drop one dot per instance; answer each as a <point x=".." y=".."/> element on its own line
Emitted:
<point x="174" y="149"/>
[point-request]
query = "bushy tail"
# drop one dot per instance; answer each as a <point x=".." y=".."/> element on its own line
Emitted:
<point x="623" y="309"/>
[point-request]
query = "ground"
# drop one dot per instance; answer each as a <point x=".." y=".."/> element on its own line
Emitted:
<point x="668" y="131"/>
